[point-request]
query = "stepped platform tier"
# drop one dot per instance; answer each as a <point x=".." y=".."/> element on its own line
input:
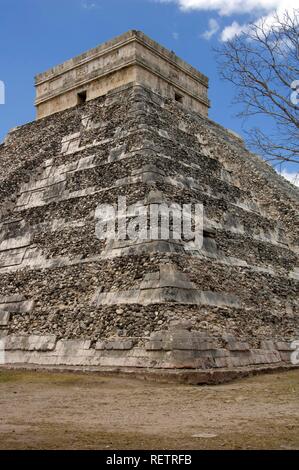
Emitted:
<point x="152" y="305"/>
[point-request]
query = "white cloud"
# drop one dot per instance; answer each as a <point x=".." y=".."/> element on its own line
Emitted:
<point x="257" y="9"/>
<point x="89" y="5"/>
<point x="233" y="30"/>
<point x="290" y="176"/>
<point x="230" y="7"/>
<point x="213" y="29"/>
<point x="175" y="36"/>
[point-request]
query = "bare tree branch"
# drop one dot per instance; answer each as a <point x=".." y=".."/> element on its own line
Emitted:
<point x="263" y="63"/>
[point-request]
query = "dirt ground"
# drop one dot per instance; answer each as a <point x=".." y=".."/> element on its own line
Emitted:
<point x="42" y="410"/>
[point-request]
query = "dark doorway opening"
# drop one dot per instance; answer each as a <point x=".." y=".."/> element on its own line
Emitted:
<point x="82" y="97"/>
<point x="178" y="97"/>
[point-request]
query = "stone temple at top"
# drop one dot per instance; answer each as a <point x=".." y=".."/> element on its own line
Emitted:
<point x="128" y="120"/>
<point x="132" y="58"/>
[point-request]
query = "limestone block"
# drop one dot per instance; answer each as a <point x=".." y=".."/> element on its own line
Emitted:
<point x="261" y="359"/>
<point x="41" y="184"/>
<point x="17" y="307"/>
<point x="284" y="346"/>
<point x="157" y="335"/>
<point x="223" y="362"/>
<point x="81" y="193"/>
<point x="226" y="176"/>
<point x="183" y="296"/>
<point x="154" y="345"/>
<point x="274" y="356"/>
<point x="4" y="318"/>
<point x="219" y="299"/>
<point x="12" y="299"/>
<point x="219" y="352"/>
<point x="15" y="304"/>
<point x="239" y="361"/>
<point x="268" y="345"/>
<point x="177" y="284"/>
<point x="70" y="348"/>
<point x="12" y="257"/>
<point x="179" y="324"/>
<point x="285" y="356"/>
<point x="188" y="360"/>
<point x="24" y="199"/>
<point x="120" y="344"/>
<point x="70" y="143"/>
<point x="54" y="191"/>
<point x="150" y="296"/>
<point x="100" y="345"/>
<point x="152" y="276"/>
<point x="72" y="166"/>
<point x="17" y="242"/>
<point x="30" y="343"/>
<point x="36" y="199"/>
<point x="70" y="137"/>
<point x="150" y="285"/>
<point x="87" y="162"/>
<point x="186" y="340"/>
<point x="233" y="345"/>
<point x="116" y="153"/>
<point x="46" y="172"/>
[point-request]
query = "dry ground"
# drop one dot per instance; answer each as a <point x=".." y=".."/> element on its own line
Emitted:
<point x="75" y="411"/>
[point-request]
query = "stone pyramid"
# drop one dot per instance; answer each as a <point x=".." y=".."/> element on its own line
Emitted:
<point x="129" y="119"/>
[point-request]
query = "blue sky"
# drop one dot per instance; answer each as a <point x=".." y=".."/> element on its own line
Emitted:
<point x="38" y="34"/>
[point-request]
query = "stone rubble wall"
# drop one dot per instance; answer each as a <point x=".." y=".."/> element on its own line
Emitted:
<point x="58" y="280"/>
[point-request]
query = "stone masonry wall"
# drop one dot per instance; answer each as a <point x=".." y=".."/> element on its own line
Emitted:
<point x="67" y="298"/>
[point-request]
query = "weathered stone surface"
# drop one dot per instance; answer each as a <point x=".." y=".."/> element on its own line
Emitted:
<point x="30" y="343"/>
<point x="4" y="318"/>
<point x="144" y="303"/>
<point x="130" y="58"/>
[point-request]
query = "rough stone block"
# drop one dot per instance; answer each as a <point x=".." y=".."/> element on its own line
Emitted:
<point x="233" y="345"/>
<point x="30" y="343"/>
<point x="152" y="276"/>
<point x="70" y="348"/>
<point x="17" y="242"/>
<point x="222" y="362"/>
<point x="285" y="356"/>
<point x="17" y="307"/>
<point x="180" y="325"/>
<point x="4" y="318"/>
<point x="12" y="257"/>
<point x="284" y="346"/>
<point x="157" y="335"/>
<point x="86" y="162"/>
<point x="185" y="340"/>
<point x="154" y="345"/>
<point x="268" y="345"/>
<point x="219" y="299"/>
<point x="120" y="344"/>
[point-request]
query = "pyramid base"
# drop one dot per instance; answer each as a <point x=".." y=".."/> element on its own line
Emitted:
<point x="179" y="376"/>
<point x="173" y="355"/>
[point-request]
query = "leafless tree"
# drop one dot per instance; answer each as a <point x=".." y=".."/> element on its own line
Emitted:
<point x="263" y="65"/>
